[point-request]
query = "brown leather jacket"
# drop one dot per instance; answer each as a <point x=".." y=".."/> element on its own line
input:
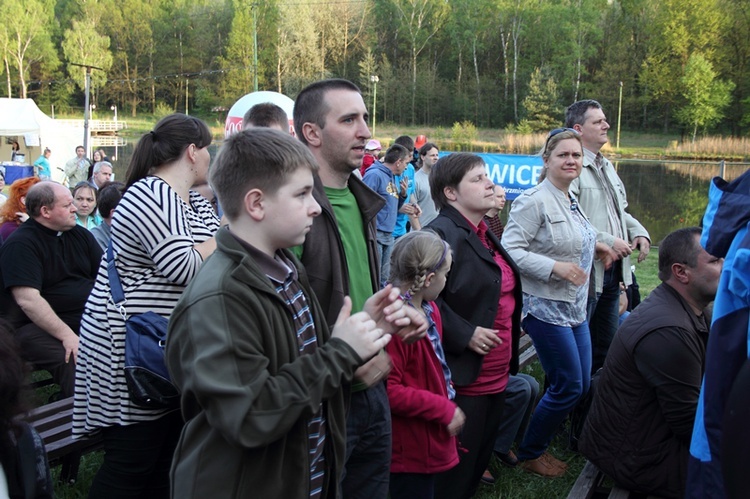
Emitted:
<point x="323" y="252"/>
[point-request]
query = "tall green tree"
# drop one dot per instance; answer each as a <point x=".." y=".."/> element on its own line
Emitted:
<point x="84" y="45"/>
<point x="5" y="50"/>
<point x="27" y="25"/>
<point x="299" y="58"/>
<point x="250" y="19"/>
<point x="734" y="61"/>
<point x="419" y="21"/>
<point x="680" y="28"/>
<point x="512" y="15"/>
<point x="341" y="26"/>
<point x="706" y="97"/>
<point x="542" y="102"/>
<point x="469" y="26"/>
<point x="129" y="26"/>
<point x="238" y="62"/>
<point x="621" y="58"/>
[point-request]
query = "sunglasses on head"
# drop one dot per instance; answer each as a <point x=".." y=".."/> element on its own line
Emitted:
<point x="561" y="130"/>
<point x="557" y="131"/>
<point x="83" y="183"/>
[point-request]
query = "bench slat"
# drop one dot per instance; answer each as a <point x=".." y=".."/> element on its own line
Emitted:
<point x="56" y="451"/>
<point x="527" y="357"/>
<point x="53" y="420"/>
<point x="586" y="483"/>
<point x="54" y="423"/>
<point x="618" y="493"/>
<point x="524" y="342"/>
<point x="48" y="410"/>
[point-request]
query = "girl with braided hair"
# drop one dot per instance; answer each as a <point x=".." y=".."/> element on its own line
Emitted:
<point x="425" y="420"/>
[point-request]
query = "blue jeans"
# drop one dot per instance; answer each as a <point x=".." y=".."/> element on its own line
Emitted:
<point x="368" y="445"/>
<point x="520" y="399"/>
<point x="385" y="246"/>
<point x="603" y="316"/>
<point x="565" y="354"/>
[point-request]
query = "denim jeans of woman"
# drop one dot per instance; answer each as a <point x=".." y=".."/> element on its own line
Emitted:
<point x="565" y="354"/>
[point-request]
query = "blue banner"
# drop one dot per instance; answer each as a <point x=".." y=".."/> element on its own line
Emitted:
<point x="515" y="172"/>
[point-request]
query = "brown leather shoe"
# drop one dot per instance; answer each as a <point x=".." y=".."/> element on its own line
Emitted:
<point x="545" y="466"/>
<point x="487" y="478"/>
<point x="555" y="462"/>
<point x="508" y="459"/>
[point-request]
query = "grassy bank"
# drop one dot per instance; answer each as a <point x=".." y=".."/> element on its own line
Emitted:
<point x="633" y="144"/>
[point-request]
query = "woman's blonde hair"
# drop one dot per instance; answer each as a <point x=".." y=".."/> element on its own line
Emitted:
<point x="415" y="256"/>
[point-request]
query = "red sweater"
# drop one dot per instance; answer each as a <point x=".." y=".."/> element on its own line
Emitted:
<point x="420" y="408"/>
<point x="367" y="162"/>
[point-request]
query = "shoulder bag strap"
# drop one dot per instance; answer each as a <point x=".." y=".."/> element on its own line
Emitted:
<point x="118" y="296"/>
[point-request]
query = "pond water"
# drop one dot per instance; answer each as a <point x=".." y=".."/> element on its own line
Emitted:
<point x="665" y="196"/>
<point x="662" y="195"/>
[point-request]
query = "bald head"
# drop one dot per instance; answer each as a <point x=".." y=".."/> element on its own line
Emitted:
<point x="51" y="205"/>
<point x="499" y="201"/>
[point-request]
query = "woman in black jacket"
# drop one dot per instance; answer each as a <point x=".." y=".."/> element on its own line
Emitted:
<point x="481" y="310"/>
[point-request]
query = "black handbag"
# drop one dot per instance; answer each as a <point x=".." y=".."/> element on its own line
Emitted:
<point x="148" y="380"/>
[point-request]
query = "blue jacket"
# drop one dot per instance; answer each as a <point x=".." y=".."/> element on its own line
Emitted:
<point x="402" y="218"/>
<point x="725" y="234"/>
<point x="381" y="180"/>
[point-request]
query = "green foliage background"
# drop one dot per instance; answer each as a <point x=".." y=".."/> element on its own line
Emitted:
<point x="682" y="63"/>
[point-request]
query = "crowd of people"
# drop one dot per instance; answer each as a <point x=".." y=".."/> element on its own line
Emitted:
<point x="345" y="322"/>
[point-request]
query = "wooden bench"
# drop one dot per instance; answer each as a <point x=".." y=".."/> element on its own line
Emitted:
<point x="54" y="423"/>
<point x="526" y="352"/>
<point x="591" y="485"/>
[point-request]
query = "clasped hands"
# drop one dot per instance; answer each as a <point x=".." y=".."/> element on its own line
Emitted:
<point x="393" y="317"/>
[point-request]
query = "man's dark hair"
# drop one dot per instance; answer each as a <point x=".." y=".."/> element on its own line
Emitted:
<point x="405" y="141"/>
<point x="576" y="112"/>
<point x="448" y="172"/>
<point x="396" y="152"/>
<point x="266" y="115"/>
<point x="426" y="148"/>
<point x="110" y="195"/>
<point x="681" y="246"/>
<point x="41" y="194"/>
<point x="310" y="104"/>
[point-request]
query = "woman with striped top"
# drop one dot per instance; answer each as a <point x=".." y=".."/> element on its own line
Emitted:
<point x="161" y="233"/>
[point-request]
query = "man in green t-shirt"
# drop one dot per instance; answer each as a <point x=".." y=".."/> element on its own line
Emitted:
<point x="340" y="255"/>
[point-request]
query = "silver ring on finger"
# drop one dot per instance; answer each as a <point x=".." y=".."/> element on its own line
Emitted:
<point x="484" y="346"/>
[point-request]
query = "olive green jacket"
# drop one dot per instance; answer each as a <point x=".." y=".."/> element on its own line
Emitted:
<point x="247" y="393"/>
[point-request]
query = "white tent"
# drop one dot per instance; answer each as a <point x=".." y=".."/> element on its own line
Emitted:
<point x="22" y="118"/>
